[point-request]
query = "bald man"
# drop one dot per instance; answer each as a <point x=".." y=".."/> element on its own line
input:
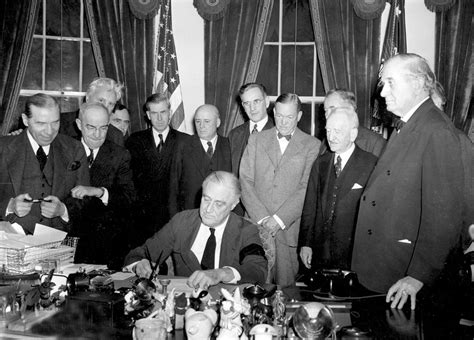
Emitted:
<point x="195" y="159"/>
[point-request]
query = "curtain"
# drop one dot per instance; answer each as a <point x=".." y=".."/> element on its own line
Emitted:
<point x="233" y="49"/>
<point x="348" y="50"/>
<point x="18" y="21"/>
<point x="454" y="66"/>
<point x="125" y="52"/>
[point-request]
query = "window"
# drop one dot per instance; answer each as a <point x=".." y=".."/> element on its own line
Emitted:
<point x="290" y="63"/>
<point x="61" y="61"/>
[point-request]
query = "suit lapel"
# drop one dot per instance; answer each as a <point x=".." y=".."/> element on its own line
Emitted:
<point x="349" y="174"/>
<point x="188" y="256"/>
<point x="294" y="147"/>
<point x="16" y="160"/>
<point x="60" y="161"/>
<point x="272" y="147"/>
<point x="198" y="154"/>
<point x="326" y="168"/>
<point x="229" y="237"/>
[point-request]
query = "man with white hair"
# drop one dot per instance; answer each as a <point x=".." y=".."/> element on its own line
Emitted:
<point x="410" y="214"/>
<point x="105" y="91"/>
<point x="335" y="186"/>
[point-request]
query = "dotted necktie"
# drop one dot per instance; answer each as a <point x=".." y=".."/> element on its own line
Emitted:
<point x="208" y="256"/>
<point x="160" y="144"/>
<point x="90" y="158"/>
<point x="41" y="157"/>
<point x="338" y="166"/>
<point x="254" y="130"/>
<point x="210" y="150"/>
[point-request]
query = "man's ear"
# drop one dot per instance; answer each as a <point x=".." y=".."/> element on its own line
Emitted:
<point x="78" y="123"/>
<point x="300" y="114"/>
<point x="218" y="122"/>
<point x="24" y="118"/>
<point x="267" y="102"/>
<point x="354" y="133"/>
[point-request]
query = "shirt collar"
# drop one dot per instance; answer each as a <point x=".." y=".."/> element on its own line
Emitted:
<point x="345" y="155"/>
<point x="156" y="134"/>
<point x="219" y="229"/>
<point x="213" y="141"/>
<point x="412" y="111"/>
<point x="35" y="145"/>
<point x="260" y="124"/>
<point x="87" y="148"/>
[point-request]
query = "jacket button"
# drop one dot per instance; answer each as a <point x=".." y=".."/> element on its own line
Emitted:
<point x="369" y="231"/>
<point x="363" y="198"/>
<point x="388" y="172"/>
<point x="373" y="203"/>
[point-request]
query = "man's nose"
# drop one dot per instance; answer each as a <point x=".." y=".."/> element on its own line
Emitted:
<point x="210" y="207"/>
<point x="384" y="91"/>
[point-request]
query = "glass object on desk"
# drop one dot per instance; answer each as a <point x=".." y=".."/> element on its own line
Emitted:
<point x="314" y="321"/>
<point x="150" y="329"/>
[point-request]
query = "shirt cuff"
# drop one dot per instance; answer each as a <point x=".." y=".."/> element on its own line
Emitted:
<point x="105" y="196"/>
<point x="237" y="276"/>
<point x="260" y="222"/>
<point x="8" y="211"/>
<point x="129" y="268"/>
<point x="65" y="216"/>
<point x="279" y="221"/>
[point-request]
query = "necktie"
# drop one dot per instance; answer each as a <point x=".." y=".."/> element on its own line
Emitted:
<point x="41" y="157"/>
<point x="398" y="124"/>
<point x="160" y="144"/>
<point x="254" y="130"/>
<point x="338" y="166"/>
<point x="207" y="261"/>
<point x="210" y="150"/>
<point x="90" y="158"/>
<point x="287" y="137"/>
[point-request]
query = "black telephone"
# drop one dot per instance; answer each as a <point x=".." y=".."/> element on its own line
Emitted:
<point x="337" y="282"/>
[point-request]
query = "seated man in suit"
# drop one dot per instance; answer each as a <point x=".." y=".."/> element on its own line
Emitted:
<point x="210" y="244"/>
<point x="107" y="202"/>
<point x="367" y="139"/>
<point x="39" y="167"/>
<point x="335" y="186"/>
<point x="195" y="159"/>
<point x="152" y="151"/>
<point x="105" y="91"/>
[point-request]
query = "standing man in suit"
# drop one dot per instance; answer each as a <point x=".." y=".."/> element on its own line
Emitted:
<point x="335" y="186"/>
<point x="274" y="175"/>
<point x="210" y="244"/>
<point x="255" y="103"/>
<point x="409" y="216"/>
<point x="120" y="118"/>
<point x="367" y="139"/>
<point x="196" y="159"/>
<point x="105" y="91"/>
<point x="152" y="151"/>
<point x="39" y="167"/>
<point x="107" y="201"/>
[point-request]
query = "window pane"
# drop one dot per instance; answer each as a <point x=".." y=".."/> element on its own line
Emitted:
<point x="68" y="104"/>
<point x="305" y="121"/>
<point x="65" y="77"/>
<point x="268" y="70"/>
<point x="297" y="79"/>
<point x="272" y="33"/>
<point x="39" y="23"/>
<point x="62" y="18"/>
<point x="53" y="17"/>
<point x="33" y="74"/>
<point x="89" y="68"/>
<point x="297" y="13"/>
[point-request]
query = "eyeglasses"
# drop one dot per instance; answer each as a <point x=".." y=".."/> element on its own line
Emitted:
<point x="254" y="102"/>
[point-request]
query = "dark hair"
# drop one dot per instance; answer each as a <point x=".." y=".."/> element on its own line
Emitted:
<point x="289" y="98"/>
<point x="40" y="100"/>
<point x="248" y="86"/>
<point x="346" y="95"/>
<point x="157" y="98"/>
<point x="119" y="107"/>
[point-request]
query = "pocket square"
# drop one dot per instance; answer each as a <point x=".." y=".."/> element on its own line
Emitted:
<point x="356" y="186"/>
<point x="405" y="240"/>
<point x="74" y="166"/>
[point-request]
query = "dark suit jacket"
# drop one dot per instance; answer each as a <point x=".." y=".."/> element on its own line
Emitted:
<point x="409" y="216"/>
<point x="189" y="168"/>
<point x="367" y="140"/>
<point x="103" y="228"/>
<point x="241" y="246"/>
<point x="326" y="229"/>
<point x="151" y="175"/>
<point x="238" y="139"/>
<point x="68" y="127"/>
<point x="69" y="169"/>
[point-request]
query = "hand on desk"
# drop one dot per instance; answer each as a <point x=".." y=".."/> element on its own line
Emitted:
<point x="52" y="207"/>
<point x="306" y="253"/>
<point x="20" y="205"/>
<point x="205" y="278"/>
<point x="399" y="292"/>
<point x="142" y="268"/>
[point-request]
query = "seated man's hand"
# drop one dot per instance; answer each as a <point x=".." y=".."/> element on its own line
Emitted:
<point x="271" y="225"/>
<point x="81" y="190"/>
<point x="401" y="290"/>
<point x="15" y="133"/>
<point x="306" y="253"/>
<point x="20" y="205"/>
<point x="52" y="207"/>
<point x="142" y="268"/>
<point x="205" y="278"/>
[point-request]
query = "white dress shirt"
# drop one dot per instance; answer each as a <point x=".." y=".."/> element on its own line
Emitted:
<point x="156" y="136"/>
<point x="260" y="125"/>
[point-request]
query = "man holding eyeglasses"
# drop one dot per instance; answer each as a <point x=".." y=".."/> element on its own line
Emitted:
<point x="274" y="175"/>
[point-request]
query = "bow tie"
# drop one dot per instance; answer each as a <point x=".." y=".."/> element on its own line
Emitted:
<point x="280" y="136"/>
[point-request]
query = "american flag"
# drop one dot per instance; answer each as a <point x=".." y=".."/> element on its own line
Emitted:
<point x="166" y="77"/>
<point x="394" y="43"/>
